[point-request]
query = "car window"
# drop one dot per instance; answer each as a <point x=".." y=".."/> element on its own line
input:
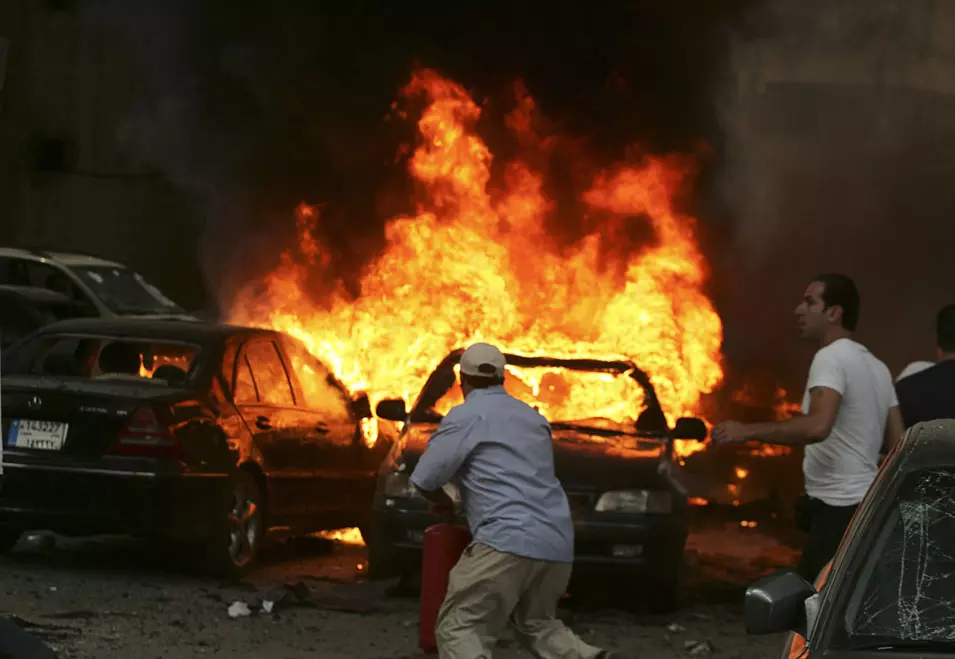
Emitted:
<point x="245" y="392"/>
<point x="271" y="380"/>
<point x="125" y="291"/>
<point x="905" y="591"/>
<point x="126" y="358"/>
<point x="322" y="392"/>
<point x="15" y="322"/>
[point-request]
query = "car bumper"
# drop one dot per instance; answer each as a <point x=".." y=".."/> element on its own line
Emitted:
<point x="614" y="545"/>
<point x="122" y="498"/>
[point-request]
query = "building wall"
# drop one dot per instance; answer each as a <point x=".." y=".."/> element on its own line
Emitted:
<point x="838" y="156"/>
<point x="69" y="182"/>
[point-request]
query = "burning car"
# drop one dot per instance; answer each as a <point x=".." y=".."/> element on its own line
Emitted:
<point x="614" y="456"/>
<point x="211" y="434"/>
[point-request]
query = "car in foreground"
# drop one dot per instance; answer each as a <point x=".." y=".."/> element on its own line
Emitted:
<point x="889" y="588"/>
<point x="210" y="434"/>
<point x="100" y="288"/>
<point x="613" y="454"/>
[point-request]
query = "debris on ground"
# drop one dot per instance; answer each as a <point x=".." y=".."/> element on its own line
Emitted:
<point x="675" y="628"/>
<point x="698" y="648"/>
<point x="239" y="609"/>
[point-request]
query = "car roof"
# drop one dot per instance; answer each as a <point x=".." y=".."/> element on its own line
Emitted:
<point x="64" y="258"/>
<point x="34" y="293"/>
<point x="573" y="363"/>
<point x="928" y="444"/>
<point x="171" y="329"/>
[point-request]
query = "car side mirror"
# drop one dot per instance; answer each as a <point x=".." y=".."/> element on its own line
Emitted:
<point x="777" y="603"/>
<point x="362" y="406"/>
<point x="392" y="409"/>
<point x="688" y="427"/>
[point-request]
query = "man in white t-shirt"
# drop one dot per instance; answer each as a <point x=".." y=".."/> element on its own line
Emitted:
<point x="850" y="414"/>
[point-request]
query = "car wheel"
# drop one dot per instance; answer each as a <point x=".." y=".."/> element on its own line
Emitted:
<point x="381" y="563"/>
<point x="9" y="539"/>
<point x="238" y="545"/>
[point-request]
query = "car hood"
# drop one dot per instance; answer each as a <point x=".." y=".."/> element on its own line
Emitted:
<point x="581" y="460"/>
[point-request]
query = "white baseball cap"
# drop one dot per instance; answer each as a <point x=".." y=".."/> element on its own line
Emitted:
<point x="483" y="360"/>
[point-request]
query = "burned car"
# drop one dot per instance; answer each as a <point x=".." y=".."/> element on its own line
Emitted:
<point x="613" y="453"/>
<point x="209" y="434"/>
<point x="888" y="589"/>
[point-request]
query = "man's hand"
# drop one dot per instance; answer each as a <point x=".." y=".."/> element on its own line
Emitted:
<point x="443" y="511"/>
<point x="729" y="432"/>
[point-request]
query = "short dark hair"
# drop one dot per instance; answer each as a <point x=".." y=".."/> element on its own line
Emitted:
<point x="480" y="382"/>
<point x="945" y="328"/>
<point x="839" y="290"/>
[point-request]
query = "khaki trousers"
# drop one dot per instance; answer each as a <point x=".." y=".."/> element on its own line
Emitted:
<point x="488" y="589"/>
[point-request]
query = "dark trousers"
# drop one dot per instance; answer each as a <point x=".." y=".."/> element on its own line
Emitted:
<point x="827" y="524"/>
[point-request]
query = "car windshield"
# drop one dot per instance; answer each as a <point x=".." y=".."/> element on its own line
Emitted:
<point x="608" y="401"/>
<point x="105" y="358"/>
<point x="905" y="594"/>
<point x="126" y="292"/>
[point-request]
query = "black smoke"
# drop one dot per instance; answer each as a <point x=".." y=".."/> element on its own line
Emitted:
<point x="252" y="108"/>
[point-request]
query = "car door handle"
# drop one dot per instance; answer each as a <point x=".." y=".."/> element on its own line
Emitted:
<point x="263" y="423"/>
<point x="321" y="429"/>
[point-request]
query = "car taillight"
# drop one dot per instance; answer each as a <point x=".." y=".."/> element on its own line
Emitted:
<point x="145" y="436"/>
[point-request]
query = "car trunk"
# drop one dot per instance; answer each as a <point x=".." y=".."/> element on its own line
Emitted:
<point x="93" y="411"/>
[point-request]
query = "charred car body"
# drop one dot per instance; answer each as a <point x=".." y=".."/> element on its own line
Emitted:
<point x="630" y="513"/>
<point x="206" y="433"/>
<point x="889" y="588"/>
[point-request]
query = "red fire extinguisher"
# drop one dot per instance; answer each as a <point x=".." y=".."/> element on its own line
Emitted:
<point x="443" y="546"/>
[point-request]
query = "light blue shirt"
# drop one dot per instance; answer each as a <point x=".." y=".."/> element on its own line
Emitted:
<point x="499" y="453"/>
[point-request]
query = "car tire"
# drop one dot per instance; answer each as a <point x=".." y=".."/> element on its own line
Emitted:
<point x="381" y="562"/>
<point x="238" y="543"/>
<point x="9" y="538"/>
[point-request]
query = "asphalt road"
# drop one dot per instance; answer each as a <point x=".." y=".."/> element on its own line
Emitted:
<point x="123" y="598"/>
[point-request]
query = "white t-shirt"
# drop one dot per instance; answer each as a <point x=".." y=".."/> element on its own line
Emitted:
<point x="840" y="469"/>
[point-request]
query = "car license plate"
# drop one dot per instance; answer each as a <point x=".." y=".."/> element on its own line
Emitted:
<point x="44" y="435"/>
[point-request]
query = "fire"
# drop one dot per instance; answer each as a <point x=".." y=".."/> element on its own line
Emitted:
<point x="345" y="536"/>
<point x="741" y="473"/>
<point x="785" y="408"/>
<point x="476" y="262"/>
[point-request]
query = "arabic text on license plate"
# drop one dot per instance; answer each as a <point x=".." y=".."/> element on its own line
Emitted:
<point x="46" y="435"/>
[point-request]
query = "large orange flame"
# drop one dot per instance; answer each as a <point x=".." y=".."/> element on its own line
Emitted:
<point x="476" y="262"/>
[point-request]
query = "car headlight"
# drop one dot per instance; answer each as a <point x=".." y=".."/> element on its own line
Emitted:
<point x="634" y="501"/>
<point x="398" y="485"/>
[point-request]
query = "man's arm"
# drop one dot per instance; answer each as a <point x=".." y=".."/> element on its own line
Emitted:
<point x="447" y="451"/>
<point x="798" y="431"/>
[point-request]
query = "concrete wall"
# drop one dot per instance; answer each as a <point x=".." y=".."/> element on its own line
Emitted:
<point x="839" y="156"/>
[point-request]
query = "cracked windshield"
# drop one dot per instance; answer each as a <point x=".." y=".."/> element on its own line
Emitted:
<point x="906" y="590"/>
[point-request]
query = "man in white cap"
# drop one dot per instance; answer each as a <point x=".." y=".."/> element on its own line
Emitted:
<point x="498" y="451"/>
